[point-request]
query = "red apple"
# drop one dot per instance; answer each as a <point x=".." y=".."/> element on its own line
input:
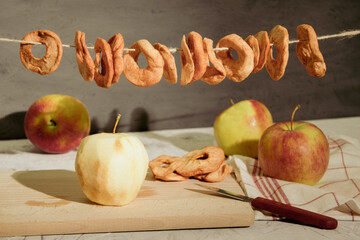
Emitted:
<point x="294" y="151"/>
<point x="57" y="123"/>
<point x="237" y="130"/>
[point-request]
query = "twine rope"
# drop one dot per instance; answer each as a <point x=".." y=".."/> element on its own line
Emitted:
<point x="343" y="34"/>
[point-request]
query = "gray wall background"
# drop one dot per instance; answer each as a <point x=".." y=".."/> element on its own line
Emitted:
<point x="166" y="106"/>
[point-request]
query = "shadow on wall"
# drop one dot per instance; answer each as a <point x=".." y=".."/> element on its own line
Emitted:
<point x="12" y="126"/>
<point x="139" y="122"/>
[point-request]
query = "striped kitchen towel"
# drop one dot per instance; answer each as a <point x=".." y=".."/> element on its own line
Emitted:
<point x="337" y="194"/>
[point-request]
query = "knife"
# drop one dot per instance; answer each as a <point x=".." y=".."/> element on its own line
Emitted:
<point x="283" y="210"/>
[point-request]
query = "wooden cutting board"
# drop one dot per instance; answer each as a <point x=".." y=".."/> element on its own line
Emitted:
<point x="51" y="202"/>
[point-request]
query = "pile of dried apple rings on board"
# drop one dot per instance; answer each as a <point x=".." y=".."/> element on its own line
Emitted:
<point x="205" y="164"/>
<point x="199" y="60"/>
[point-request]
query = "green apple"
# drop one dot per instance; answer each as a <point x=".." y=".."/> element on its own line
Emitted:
<point x="57" y="123"/>
<point x="237" y="130"/>
<point x="294" y="151"/>
<point x="111" y="167"/>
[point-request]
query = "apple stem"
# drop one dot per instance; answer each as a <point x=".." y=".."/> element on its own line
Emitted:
<point x="231" y="101"/>
<point x="116" y="123"/>
<point x="292" y="116"/>
<point x="52" y="123"/>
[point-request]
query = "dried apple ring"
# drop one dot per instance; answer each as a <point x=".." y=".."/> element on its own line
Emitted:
<point x="200" y="58"/>
<point x="187" y="63"/>
<point x="103" y="56"/>
<point x="217" y="175"/>
<point x="278" y="36"/>
<point x="54" y="50"/>
<point x="216" y="73"/>
<point x="253" y="43"/>
<point x="264" y="46"/>
<point x="149" y="76"/>
<point x="236" y="70"/>
<point x="85" y="63"/>
<point x="163" y="168"/>
<point x="308" y="52"/>
<point x="117" y="48"/>
<point x="170" y="72"/>
<point x="201" y="161"/>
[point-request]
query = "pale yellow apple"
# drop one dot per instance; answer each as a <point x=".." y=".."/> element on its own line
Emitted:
<point x="111" y="167"/>
<point x="238" y="129"/>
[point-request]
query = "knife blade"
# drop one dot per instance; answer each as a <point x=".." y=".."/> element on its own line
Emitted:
<point x="282" y="210"/>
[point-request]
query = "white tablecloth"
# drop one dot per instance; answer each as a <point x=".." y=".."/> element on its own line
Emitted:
<point x="21" y="155"/>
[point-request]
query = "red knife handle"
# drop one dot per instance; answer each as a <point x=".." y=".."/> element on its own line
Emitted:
<point x="294" y="213"/>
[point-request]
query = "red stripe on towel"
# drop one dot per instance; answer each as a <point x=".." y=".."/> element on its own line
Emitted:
<point x="281" y="191"/>
<point x="342" y="154"/>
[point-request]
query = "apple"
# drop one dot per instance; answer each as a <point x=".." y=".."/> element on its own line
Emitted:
<point x="237" y="130"/>
<point x="294" y="151"/>
<point x="111" y="167"/>
<point x="57" y="123"/>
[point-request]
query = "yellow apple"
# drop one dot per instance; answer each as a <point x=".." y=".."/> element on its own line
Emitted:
<point x="111" y="167"/>
<point x="237" y="130"/>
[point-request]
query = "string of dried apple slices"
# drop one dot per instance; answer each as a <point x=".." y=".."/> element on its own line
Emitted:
<point x="199" y="60"/>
